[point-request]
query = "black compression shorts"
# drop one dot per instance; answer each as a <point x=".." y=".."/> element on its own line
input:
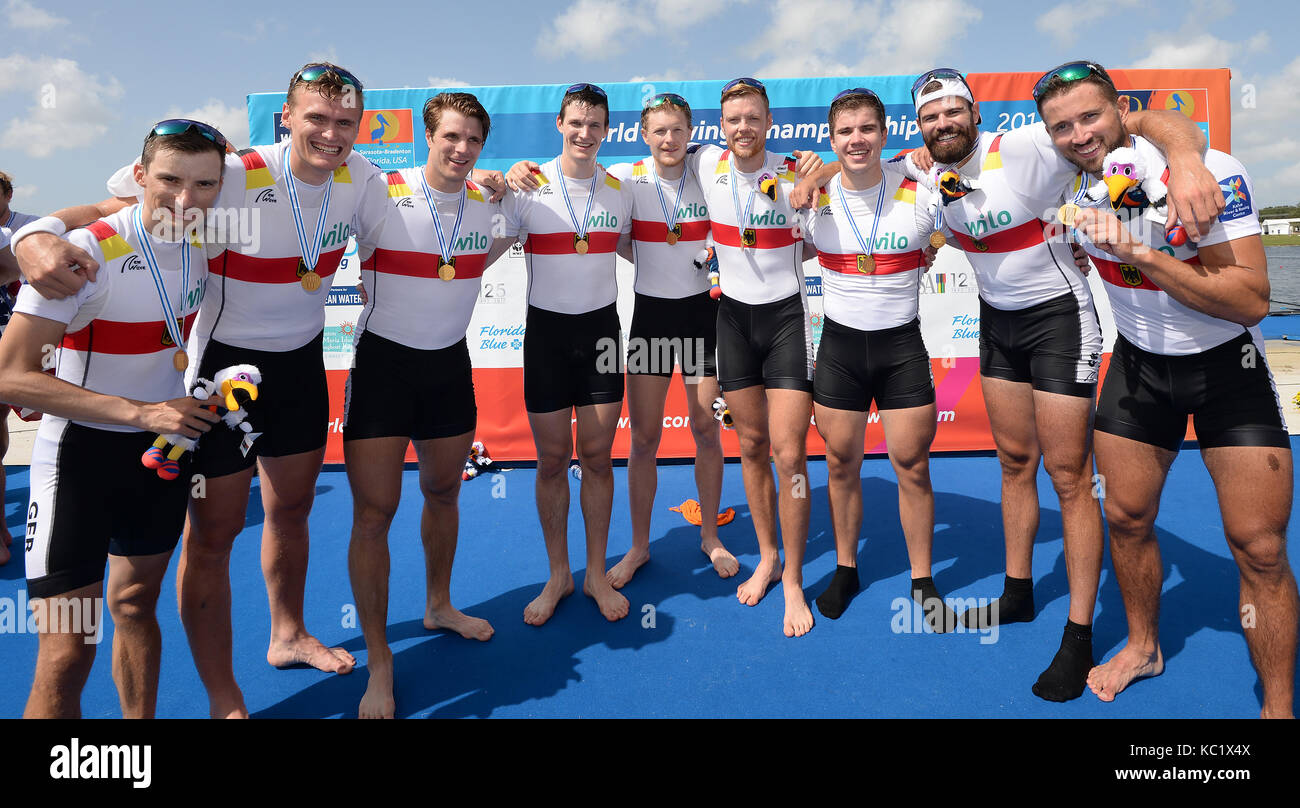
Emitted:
<point x="1055" y="346"/>
<point x="398" y="391"/>
<point x="765" y="343"/>
<point x="890" y="365"/>
<point x="572" y="360"/>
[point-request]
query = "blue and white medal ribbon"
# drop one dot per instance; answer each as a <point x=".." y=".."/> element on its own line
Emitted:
<point x="580" y="243"/>
<point x="173" y="324"/>
<point x="670" y="220"/>
<point x="866" y="263"/>
<point x="310" y="279"/>
<point x="748" y="235"/>
<point x="447" y="264"/>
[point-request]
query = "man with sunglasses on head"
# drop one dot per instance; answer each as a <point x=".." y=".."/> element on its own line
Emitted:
<point x="764" y="337"/>
<point x="119" y="383"/>
<point x="1189" y="344"/>
<point x="1040" y="339"/>
<point x="673" y="314"/>
<point x="411" y="381"/>
<point x="871" y="225"/>
<point x="575" y="220"/>
<point x="265" y="306"/>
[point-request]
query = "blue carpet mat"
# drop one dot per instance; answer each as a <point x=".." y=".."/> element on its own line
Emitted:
<point x="688" y="648"/>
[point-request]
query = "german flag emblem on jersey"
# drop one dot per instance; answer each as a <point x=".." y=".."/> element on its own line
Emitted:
<point x="993" y="159"/>
<point x="256" y="174"/>
<point x="906" y="192"/>
<point x="473" y="192"/>
<point x="110" y="243"/>
<point x="397" y="185"/>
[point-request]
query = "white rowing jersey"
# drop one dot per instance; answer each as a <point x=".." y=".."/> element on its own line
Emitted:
<point x="761" y="262"/>
<point x="1001" y="224"/>
<point x="884" y="291"/>
<point x="116" y="340"/>
<point x="665" y="269"/>
<point x="1144" y="313"/>
<point x="408" y="302"/>
<point x="566" y="275"/>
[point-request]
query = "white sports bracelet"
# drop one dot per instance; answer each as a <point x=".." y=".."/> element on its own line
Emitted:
<point x="46" y="224"/>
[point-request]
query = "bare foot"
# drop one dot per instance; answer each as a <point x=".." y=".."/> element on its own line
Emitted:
<point x="612" y="605"/>
<point x="724" y="563"/>
<point x="765" y="574"/>
<point x="378" y="701"/>
<point x="1109" y="679"/>
<point x="798" y="617"/>
<point x="452" y="619"/>
<point x="307" y="650"/>
<point x="543" y="606"/>
<point x="623" y="571"/>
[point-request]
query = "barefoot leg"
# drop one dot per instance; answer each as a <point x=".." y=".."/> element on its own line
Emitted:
<point x="596" y="426"/>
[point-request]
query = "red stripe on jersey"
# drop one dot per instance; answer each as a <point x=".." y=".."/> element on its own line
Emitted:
<point x="417" y="264"/>
<point x="771" y="238"/>
<point x="1112" y="272"/>
<point x="1016" y="238"/>
<point x="252" y="160"/>
<point x="253" y="269"/>
<point x="101" y="230"/>
<point x="562" y="243"/>
<point x="114" y="337"/>
<point x="886" y="263"/>
<point x="657" y="232"/>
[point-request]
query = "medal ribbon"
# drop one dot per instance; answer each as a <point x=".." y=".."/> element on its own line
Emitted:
<point x="169" y="317"/>
<point x="581" y="230"/>
<point x="875" y="221"/>
<point x="671" y="221"/>
<point x="735" y="199"/>
<point x="445" y="247"/>
<point x="310" y="251"/>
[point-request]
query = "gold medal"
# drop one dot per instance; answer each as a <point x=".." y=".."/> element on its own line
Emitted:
<point x="672" y="238"/>
<point x="674" y="233"/>
<point x="310" y="281"/>
<point x="937" y="239"/>
<point x="748" y="237"/>
<point x="580" y="245"/>
<point x="1067" y="212"/>
<point x="447" y="271"/>
<point x="866" y="264"/>
<point x="180" y="361"/>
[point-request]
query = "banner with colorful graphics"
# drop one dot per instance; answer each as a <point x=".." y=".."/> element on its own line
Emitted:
<point x="523" y="128"/>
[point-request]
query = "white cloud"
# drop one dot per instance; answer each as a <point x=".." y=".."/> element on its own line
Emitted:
<point x="1264" y="136"/>
<point x="24" y="192"/>
<point x="667" y="75"/>
<point x="24" y="15"/>
<point x="1061" y="23"/>
<point x="71" y="108"/>
<point x="330" y="54"/>
<point x="693" y="12"/>
<point x="231" y="121"/>
<point x="842" y="37"/>
<point x="1202" y="50"/>
<point x="591" y="30"/>
<point x="435" y="81"/>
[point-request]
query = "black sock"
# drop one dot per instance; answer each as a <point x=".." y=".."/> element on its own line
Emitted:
<point x="1015" y="606"/>
<point x="937" y="614"/>
<point x="1067" y="676"/>
<point x="843" y="587"/>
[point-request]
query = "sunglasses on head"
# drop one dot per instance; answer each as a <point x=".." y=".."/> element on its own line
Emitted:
<point x="855" y="91"/>
<point x="177" y="126"/>
<point x="1072" y="71"/>
<point x="581" y="86"/>
<point x="314" y="72"/>
<point x="667" y="98"/>
<point x="937" y="73"/>
<point x="745" y="80"/>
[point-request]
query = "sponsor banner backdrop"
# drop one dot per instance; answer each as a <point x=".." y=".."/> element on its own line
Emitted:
<point x="523" y="128"/>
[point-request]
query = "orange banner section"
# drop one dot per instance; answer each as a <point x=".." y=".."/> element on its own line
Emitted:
<point x="1205" y="96"/>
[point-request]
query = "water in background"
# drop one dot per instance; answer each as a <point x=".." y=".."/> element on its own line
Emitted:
<point x="1284" y="277"/>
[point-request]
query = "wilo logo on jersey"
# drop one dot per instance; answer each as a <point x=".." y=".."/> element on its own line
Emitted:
<point x="987" y="223"/>
<point x="472" y="242"/>
<point x="769" y="218"/>
<point x="78" y="761"/>
<point x="603" y="219"/>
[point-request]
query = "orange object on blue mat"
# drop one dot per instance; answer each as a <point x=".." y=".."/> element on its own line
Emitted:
<point x="690" y="509"/>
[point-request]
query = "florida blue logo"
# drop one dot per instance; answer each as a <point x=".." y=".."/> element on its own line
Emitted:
<point x="1236" y="198"/>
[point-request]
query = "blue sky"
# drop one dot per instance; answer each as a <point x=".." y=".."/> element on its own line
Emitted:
<point x="80" y="83"/>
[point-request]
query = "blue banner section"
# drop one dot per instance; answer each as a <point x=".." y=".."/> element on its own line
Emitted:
<point x="523" y="118"/>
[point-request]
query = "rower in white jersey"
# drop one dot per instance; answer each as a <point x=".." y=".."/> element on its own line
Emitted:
<point x="575" y="221"/>
<point x="1040" y="340"/>
<point x="764" y="336"/>
<point x="10" y="220"/>
<point x="266" y="306"/>
<point x="1188" y="344"/>
<point x="871" y="225"/>
<point x="411" y="379"/>
<point x="674" y="321"/>
<point x="118" y="383"/>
